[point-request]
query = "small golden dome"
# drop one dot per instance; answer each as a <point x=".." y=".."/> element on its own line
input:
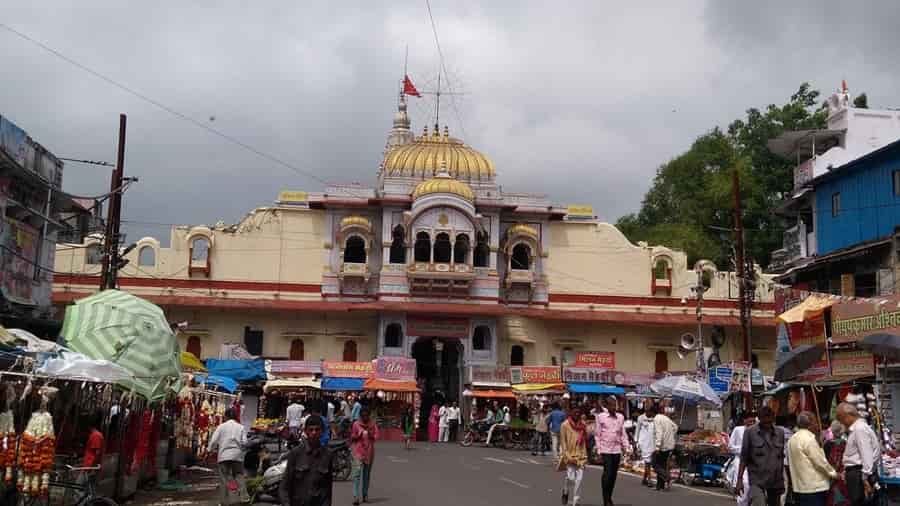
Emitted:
<point x="355" y="220"/>
<point x="522" y="229"/>
<point x="443" y="183"/>
<point x="423" y="158"/>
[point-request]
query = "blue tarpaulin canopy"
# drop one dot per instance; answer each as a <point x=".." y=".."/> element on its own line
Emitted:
<point x="221" y="382"/>
<point x="595" y="388"/>
<point x="238" y="370"/>
<point x="343" y="384"/>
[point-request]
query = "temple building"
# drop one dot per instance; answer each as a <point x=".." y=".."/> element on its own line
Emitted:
<point x="436" y="262"/>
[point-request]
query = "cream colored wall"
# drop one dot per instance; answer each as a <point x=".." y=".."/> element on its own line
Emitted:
<point x="635" y="346"/>
<point x="323" y="335"/>
<point x="269" y="245"/>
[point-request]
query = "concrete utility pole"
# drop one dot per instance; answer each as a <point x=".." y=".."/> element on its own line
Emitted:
<point x="114" y="216"/>
<point x="739" y="264"/>
<point x="701" y="359"/>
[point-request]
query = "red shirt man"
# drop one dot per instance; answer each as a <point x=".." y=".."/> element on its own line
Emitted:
<point x="93" y="451"/>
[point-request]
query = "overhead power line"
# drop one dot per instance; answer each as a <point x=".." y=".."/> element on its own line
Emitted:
<point x="437" y="43"/>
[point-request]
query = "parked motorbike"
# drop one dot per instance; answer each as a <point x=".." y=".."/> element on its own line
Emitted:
<point x="475" y="433"/>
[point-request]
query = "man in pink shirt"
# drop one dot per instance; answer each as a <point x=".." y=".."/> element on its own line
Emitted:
<point x="611" y="440"/>
<point x="363" y="435"/>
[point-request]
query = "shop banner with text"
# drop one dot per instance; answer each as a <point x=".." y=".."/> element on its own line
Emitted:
<point x="811" y="332"/>
<point x="599" y="359"/>
<point x="491" y="375"/>
<point x="852" y="363"/>
<point x="535" y="374"/>
<point x="437" y="327"/>
<point x="348" y="369"/>
<point x="854" y="320"/>
<point x="585" y="375"/>
<point x="395" y="368"/>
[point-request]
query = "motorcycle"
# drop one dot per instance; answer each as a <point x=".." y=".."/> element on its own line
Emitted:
<point x="475" y="433"/>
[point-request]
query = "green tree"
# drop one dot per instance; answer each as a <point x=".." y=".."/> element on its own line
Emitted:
<point x="861" y="101"/>
<point x="691" y="194"/>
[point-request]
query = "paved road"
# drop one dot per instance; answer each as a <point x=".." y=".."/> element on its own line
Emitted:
<point x="449" y="475"/>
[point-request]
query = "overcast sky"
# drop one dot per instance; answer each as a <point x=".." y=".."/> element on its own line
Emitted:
<point x="581" y="101"/>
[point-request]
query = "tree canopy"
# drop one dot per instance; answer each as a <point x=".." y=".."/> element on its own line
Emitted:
<point x="691" y="198"/>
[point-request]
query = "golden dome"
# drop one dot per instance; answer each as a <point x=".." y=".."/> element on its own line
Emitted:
<point x="423" y="158"/>
<point x="355" y="220"/>
<point x="522" y="229"/>
<point x="443" y="183"/>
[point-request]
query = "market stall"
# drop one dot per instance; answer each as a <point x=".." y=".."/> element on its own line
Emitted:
<point x="289" y="380"/>
<point x="395" y="392"/>
<point x="587" y="379"/>
<point x="486" y="385"/>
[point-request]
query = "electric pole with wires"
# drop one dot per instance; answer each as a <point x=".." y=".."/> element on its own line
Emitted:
<point x="111" y="256"/>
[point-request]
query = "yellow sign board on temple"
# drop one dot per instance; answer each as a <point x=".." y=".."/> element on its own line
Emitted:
<point x="292" y="196"/>
<point x="581" y="211"/>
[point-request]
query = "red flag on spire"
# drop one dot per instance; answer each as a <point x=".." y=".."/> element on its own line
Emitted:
<point x="409" y="88"/>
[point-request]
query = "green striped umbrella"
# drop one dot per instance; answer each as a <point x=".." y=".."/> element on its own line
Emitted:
<point x="128" y="331"/>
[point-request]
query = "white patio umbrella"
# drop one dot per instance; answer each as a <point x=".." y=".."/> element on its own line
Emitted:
<point x="687" y="388"/>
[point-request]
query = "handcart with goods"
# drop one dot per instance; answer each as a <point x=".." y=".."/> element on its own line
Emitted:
<point x="701" y="457"/>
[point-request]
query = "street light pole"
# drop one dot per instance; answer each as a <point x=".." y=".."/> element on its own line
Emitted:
<point x="699" y="290"/>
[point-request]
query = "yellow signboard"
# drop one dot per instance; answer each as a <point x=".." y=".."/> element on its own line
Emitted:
<point x="581" y="211"/>
<point x="292" y="196"/>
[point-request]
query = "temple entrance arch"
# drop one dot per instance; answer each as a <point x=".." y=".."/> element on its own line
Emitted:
<point x="439" y="363"/>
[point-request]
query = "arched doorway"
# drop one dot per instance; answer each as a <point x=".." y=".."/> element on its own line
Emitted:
<point x="438" y="372"/>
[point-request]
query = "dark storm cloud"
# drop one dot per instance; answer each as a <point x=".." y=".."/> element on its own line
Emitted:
<point x="581" y="101"/>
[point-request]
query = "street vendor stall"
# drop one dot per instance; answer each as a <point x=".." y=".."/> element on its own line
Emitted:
<point x="395" y="392"/>
<point x="486" y="385"/>
<point x="344" y="377"/>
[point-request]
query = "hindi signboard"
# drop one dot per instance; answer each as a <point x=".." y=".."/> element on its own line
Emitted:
<point x="585" y="375"/>
<point x="852" y="363"/>
<point x="395" y="368"/>
<point x="437" y="327"/>
<point x="489" y="375"/>
<point x="852" y="321"/>
<point x="286" y="368"/>
<point x="597" y="359"/>
<point x="535" y="374"/>
<point x="348" y="369"/>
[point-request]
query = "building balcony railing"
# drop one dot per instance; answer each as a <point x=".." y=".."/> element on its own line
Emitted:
<point x="519" y="277"/>
<point x="354" y="270"/>
<point x="804" y="172"/>
<point x="797" y="244"/>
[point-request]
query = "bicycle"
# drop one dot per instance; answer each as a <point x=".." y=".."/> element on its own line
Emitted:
<point x="85" y="485"/>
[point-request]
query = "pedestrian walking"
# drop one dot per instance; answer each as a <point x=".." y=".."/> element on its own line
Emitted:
<point x="229" y="439"/>
<point x="294" y="417"/>
<point x="646" y="442"/>
<point x="354" y="413"/>
<point x="735" y="443"/>
<point x="834" y="452"/>
<point x="408" y="422"/>
<point x="762" y="455"/>
<point x="861" y="455"/>
<point x="444" y="423"/>
<point x="573" y="455"/>
<point x="811" y="474"/>
<point x="611" y="440"/>
<point x="664" y="431"/>
<point x="541" y="431"/>
<point x="554" y="423"/>
<point x="362" y="446"/>
<point x="308" y="475"/>
<point x="433" y="421"/>
<point x="454" y="422"/>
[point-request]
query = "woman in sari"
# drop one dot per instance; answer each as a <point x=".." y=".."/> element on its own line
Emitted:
<point x="433" y="423"/>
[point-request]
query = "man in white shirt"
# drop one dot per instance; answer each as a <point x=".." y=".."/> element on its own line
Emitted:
<point x="861" y="455"/>
<point x="444" y="423"/>
<point x="664" y="431"/>
<point x="329" y="412"/>
<point x="454" y="422"/>
<point x="811" y="474"/>
<point x="735" y="442"/>
<point x="230" y="438"/>
<point x="294" y="416"/>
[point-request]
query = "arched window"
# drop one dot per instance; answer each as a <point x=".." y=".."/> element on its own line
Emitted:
<point x="521" y="257"/>
<point x="461" y="249"/>
<point x="355" y="250"/>
<point x="194" y="347"/>
<point x="481" y="339"/>
<point x="93" y="255"/>
<point x="398" y="245"/>
<point x="147" y="257"/>
<point x="568" y="356"/>
<point x="393" y="336"/>
<point x="350" y="351"/>
<point x="297" y="350"/>
<point x="442" y="248"/>
<point x="423" y="247"/>
<point x="662" y="361"/>
<point x="199" y="249"/>
<point x="482" y="251"/>
<point x="661" y="269"/>
<point x="517" y="355"/>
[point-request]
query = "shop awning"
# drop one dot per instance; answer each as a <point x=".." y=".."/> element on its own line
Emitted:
<point x="343" y="384"/>
<point x="221" y="382"/>
<point x="490" y="394"/>
<point x="595" y="388"/>
<point x="190" y="362"/>
<point x="292" y="384"/>
<point x="391" y="386"/>
<point x="238" y="370"/>
<point x="811" y="307"/>
<point x="539" y="388"/>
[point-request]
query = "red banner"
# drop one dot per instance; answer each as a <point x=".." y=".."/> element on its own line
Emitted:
<point x="536" y="374"/>
<point x="348" y="369"/>
<point x="600" y="359"/>
<point x="395" y="368"/>
<point x="437" y="327"/>
<point x="811" y="332"/>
